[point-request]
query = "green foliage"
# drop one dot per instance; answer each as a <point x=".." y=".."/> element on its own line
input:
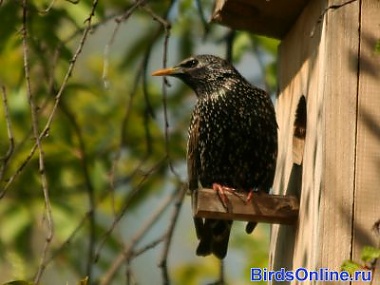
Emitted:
<point x="370" y="253"/>
<point x="350" y="266"/>
<point x="107" y="161"/>
<point x="368" y="256"/>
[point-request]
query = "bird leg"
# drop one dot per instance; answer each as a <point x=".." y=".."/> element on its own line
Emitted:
<point x="220" y="190"/>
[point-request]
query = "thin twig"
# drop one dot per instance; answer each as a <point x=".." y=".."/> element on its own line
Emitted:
<point x="129" y="275"/>
<point x="148" y="246"/>
<point x="205" y="24"/>
<point x="141" y="73"/>
<point x="128" y="248"/>
<point x="88" y="185"/>
<point x="39" y="136"/>
<point x="126" y="205"/>
<point x="148" y="109"/>
<point x="34" y="116"/>
<point x="5" y="159"/>
<point x="18" y="171"/>
<point x="181" y="193"/>
<point x="167" y="26"/>
<point x="71" y="67"/>
<point x="69" y="240"/>
<point x="123" y="140"/>
<point x="128" y="108"/>
<point x="163" y="263"/>
<point x="82" y="222"/>
<point x="118" y="20"/>
<point x="48" y="8"/>
<point x="130" y="278"/>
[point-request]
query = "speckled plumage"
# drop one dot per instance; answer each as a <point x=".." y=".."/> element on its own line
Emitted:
<point x="232" y="138"/>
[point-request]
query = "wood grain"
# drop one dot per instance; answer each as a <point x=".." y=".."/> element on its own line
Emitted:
<point x="367" y="170"/>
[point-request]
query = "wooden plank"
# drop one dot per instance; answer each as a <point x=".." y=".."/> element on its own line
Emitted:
<point x="269" y="18"/>
<point x="317" y="58"/>
<point x="367" y="170"/>
<point x="341" y="46"/>
<point x="300" y="73"/>
<point x="263" y="207"/>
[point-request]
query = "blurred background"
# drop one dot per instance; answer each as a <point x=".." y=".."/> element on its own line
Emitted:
<point x="92" y="148"/>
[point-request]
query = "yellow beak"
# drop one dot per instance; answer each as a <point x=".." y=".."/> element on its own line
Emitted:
<point x="165" y="71"/>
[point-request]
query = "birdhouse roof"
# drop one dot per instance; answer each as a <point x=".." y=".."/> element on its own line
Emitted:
<point x="271" y="18"/>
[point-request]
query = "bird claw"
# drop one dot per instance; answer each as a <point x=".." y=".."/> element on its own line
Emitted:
<point x="220" y="190"/>
<point x="250" y="195"/>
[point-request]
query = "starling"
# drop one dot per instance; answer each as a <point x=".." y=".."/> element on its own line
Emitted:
<point x="232" y="139"/>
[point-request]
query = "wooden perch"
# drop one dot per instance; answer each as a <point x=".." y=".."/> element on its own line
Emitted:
<point x="263" y="207"/>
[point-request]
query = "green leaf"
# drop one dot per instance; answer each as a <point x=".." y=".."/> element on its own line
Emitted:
<point x="242" y="43"/>
<point x="369" y="253"/>
<point x="350" y="266"/>
<point x="268" y="44"/>
<point x="377" y="47"/>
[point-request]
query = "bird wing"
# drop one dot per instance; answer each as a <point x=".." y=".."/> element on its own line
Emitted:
<point x="192" y="154"/>
<point x="193" y="166"/>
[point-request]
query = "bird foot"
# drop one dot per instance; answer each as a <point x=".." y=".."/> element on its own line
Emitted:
<point x="220" y="190"/>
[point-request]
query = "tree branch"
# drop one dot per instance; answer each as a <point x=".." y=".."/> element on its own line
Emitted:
<point x="36" y="134"/>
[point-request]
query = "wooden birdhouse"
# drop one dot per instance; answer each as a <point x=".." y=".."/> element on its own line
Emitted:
<point x="328" y="113"/>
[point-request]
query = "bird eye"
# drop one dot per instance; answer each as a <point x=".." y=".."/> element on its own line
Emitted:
<point x="190" y="63"/>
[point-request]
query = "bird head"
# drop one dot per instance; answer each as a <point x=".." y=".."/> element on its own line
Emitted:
<point x="205" y="74"/>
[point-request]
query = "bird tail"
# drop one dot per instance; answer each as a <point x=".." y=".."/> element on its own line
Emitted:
<point x="250" y="227"/>
<point x="214" y="238"/>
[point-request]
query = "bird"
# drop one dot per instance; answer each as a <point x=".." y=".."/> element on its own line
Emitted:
<point x="232" y="139"/>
